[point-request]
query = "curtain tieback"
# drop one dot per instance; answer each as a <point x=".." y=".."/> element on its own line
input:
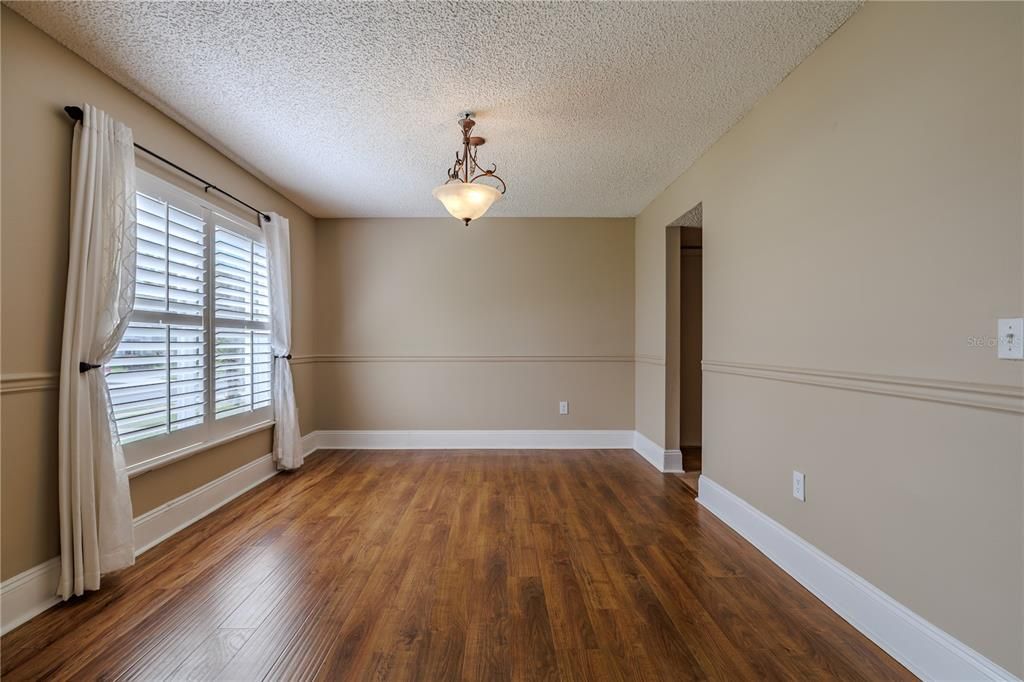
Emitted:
<point x="284" y="357"/>
<point x="84" y="367"/>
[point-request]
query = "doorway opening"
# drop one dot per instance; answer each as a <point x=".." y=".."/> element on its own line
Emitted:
<point x="684" y="343"/>
<point x="690" y="346"/>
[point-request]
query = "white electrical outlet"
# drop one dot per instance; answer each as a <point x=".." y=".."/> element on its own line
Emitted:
<point x="563" y="407"/>
<point x="798" y="486"/>
<point x="1011" y="338"/>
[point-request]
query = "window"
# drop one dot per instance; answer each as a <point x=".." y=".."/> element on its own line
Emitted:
<point x="194" y="366"/>
<point x="242" y="320"/>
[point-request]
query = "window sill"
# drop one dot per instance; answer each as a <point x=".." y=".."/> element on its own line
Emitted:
<point x="177" y="455"/>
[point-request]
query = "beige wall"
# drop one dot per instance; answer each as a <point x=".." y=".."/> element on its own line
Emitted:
<point x="425" y="324"/>
<point x="865" y="218"/>
<point x="39" y="77"/>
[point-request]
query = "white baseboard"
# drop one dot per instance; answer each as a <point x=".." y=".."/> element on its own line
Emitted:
<point x="925" y="650"/>
<point x="674" y="461"/>
<point x="28" y="594"/>
<point x="160" y="523"/>
<point x="665" y="461"/>
<point x="311" y="442"/>
<point x="473" y="440"/>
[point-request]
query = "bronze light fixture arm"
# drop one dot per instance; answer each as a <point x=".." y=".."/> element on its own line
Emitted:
<point x="466" y="168"/>
<point x="490" y="174"/>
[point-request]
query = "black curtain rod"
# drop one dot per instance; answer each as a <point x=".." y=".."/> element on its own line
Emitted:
<point x="77" y="114"/>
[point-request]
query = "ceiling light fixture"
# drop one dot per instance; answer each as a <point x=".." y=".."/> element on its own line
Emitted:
<point x="464" y="197"/>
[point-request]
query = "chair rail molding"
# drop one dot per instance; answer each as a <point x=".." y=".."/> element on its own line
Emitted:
<point x="998" y="397"/>
<point x="354" y="358"/>
<point x="647" y="359"/>
<point x="29" y="382"/>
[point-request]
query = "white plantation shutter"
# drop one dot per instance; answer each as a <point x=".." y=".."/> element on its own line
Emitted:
<point x="242" y="320"/>
<point x="242" y="291"/>
<point x="156" y="380"/>
<point x="156" y="377"/>
<point x="243" y="371"/>
<point x="195" y="361"/>
<point x="171" y="259"/>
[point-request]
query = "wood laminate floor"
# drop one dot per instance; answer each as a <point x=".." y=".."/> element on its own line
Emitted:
<point x="570" y="565"/>
<point x="691" y="479"/>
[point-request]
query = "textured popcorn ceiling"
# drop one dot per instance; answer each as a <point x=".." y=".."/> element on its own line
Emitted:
<point x="589" y="109"/>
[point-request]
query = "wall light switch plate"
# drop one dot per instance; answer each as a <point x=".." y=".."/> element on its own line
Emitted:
<point x="1011" y="338"/>
<point x="563" y="407"/>
<point x="798" y="486"/>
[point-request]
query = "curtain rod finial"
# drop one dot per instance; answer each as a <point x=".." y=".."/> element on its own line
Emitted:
<point x="75" y="113"/>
